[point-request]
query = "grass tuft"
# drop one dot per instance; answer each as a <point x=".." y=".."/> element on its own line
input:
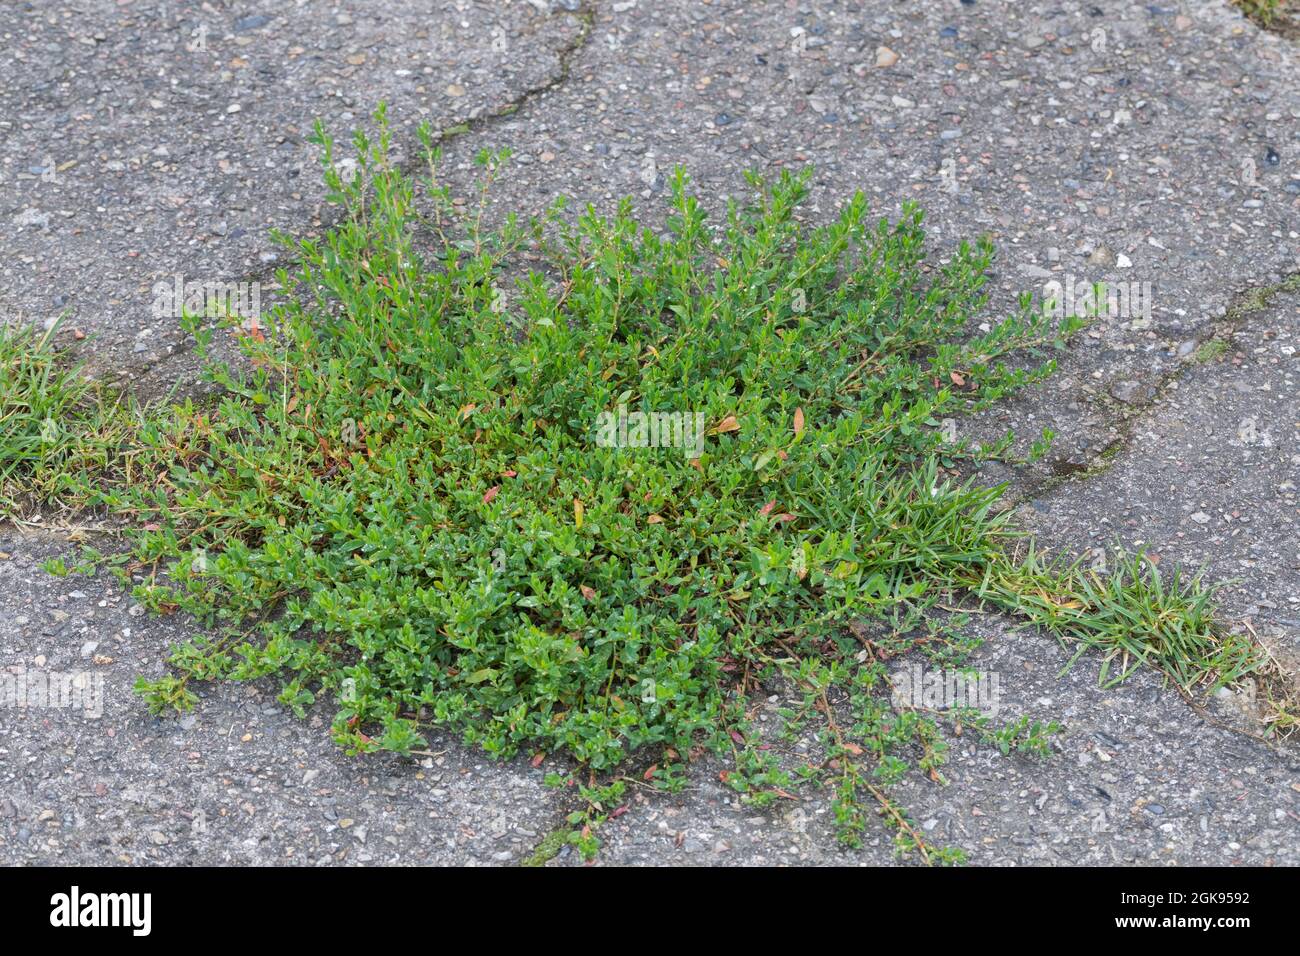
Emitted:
<point x="1263" y="12"/>
<point x="1133" y="614"/>
<point x="56" y="427"/>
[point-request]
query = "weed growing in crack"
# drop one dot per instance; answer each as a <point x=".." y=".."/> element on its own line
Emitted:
<point x="1025" y="735"/>
<point x="1135" y="615"/>
<point x="1263" y="12"/>
<point x="400" y="501"/>
<point x="56" y="427"/>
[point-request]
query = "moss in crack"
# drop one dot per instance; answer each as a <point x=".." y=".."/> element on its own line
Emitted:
<point x="1064" y="471"/>
<point x="548" y="849"/>
<point x="1210" y="350"/>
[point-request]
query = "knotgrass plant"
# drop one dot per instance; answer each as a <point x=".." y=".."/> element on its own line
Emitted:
<point x="407" y="499"/>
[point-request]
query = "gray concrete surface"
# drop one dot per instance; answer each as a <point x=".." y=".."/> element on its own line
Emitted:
<point x="1104" y="141"/>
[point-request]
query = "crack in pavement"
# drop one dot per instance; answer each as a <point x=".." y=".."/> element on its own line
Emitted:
<point x="265" y="274"/>
<point x="1244" y="305"/>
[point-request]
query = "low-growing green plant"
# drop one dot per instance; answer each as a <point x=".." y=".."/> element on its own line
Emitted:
<point x="598" y="804"/>
<point x="406" y="494"/>
<point x="580" y="485"/>
<point x="1024" y="734"/>
<point x="547" y="849"/>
